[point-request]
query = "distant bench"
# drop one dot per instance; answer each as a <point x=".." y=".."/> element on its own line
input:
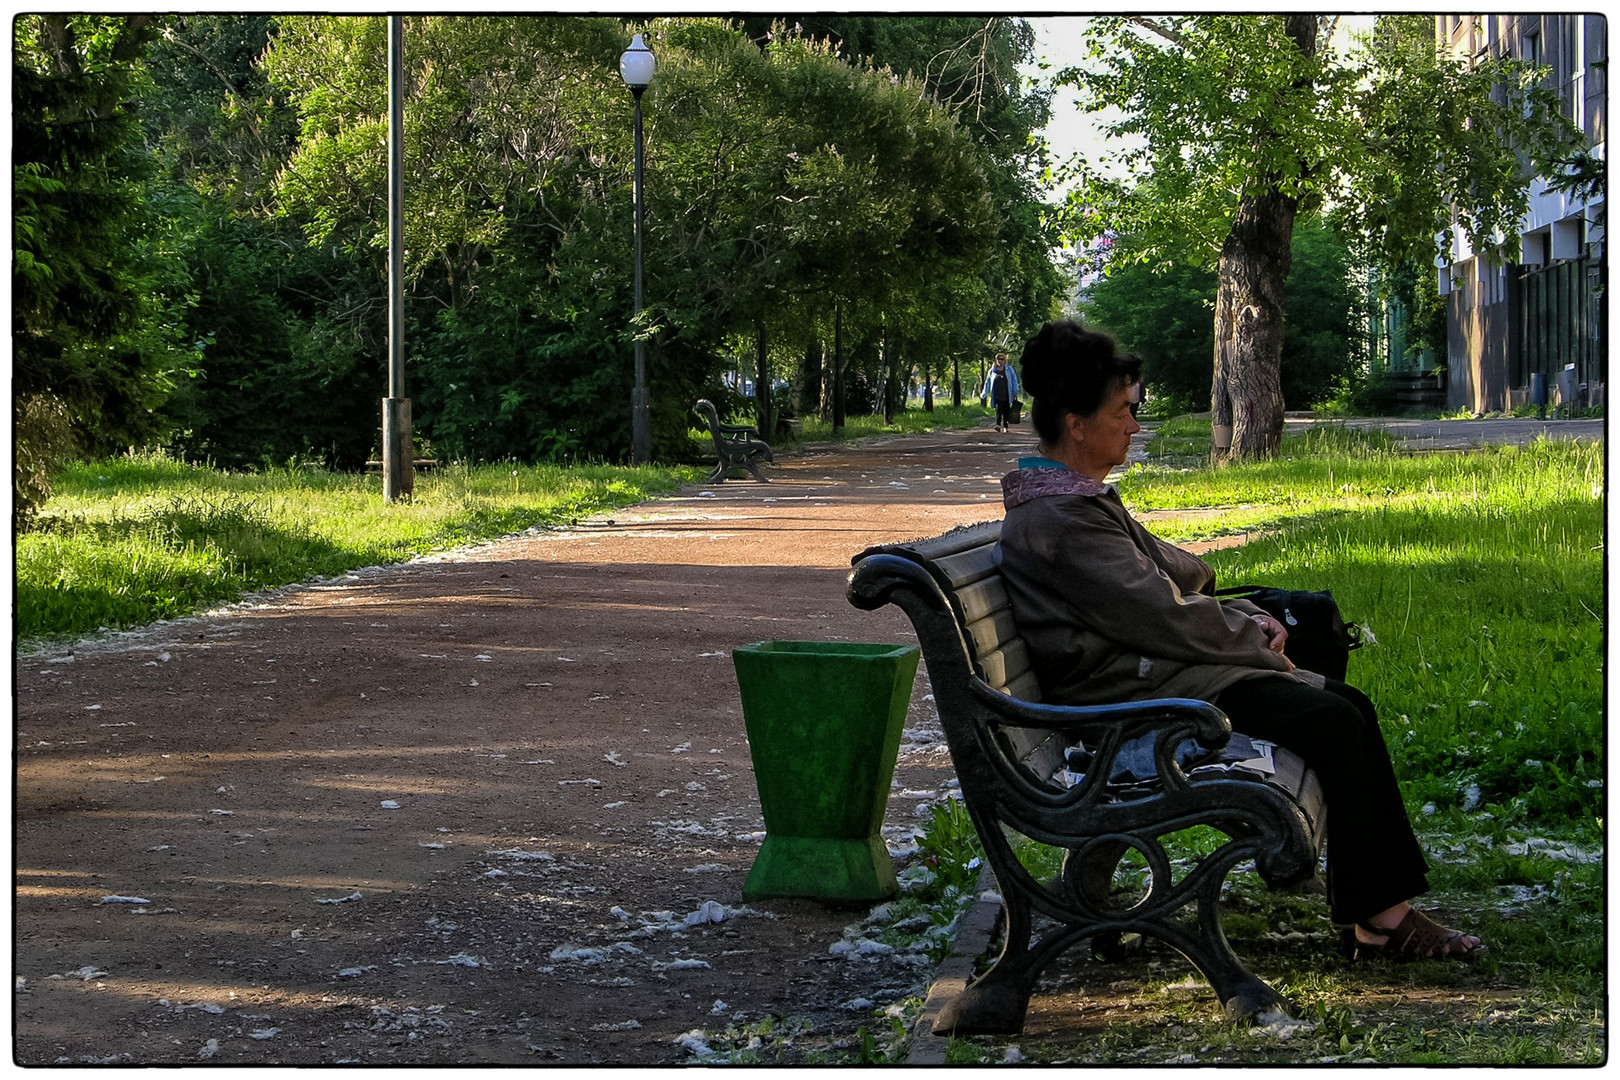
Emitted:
<point x="1017" y="762"/>
<point x="736" y="446"/>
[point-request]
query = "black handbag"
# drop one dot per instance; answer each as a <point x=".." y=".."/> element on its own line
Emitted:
<point x="1319" y="639"/>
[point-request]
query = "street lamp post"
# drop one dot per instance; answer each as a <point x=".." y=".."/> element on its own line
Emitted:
<point x="399" y="470"/>
<point x="636" y="66"/>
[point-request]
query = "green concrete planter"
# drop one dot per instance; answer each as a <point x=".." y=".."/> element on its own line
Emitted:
<point x="824" y="722"/>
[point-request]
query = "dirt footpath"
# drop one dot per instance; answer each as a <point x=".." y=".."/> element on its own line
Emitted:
<point x="494" y="807"/>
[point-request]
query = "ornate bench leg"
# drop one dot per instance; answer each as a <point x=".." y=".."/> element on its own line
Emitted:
<point x="1089" y="873"/>
<point x="996" y="1002"/>
<point x="994" y="1005"/>
<point x="1241" y="993"/>
<point x="752" y="465"/>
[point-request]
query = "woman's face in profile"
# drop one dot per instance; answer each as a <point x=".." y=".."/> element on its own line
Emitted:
<point x="1106" y="434"/>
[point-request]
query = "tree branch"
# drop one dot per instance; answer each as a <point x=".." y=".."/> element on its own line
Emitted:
<point x="1329" y="24"/>
<point x="174" y="39"/>
<point x="1156" y="27"/>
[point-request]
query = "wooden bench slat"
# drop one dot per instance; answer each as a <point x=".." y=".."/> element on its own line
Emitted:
<point x="989" y="632"/>
<point x="1025" y="688"/>
<point x="1039" y="753"/>
<point x="982" y="598"/>
<point x="932" y="551"/>
<point x="1005" y="664"/>
<point x="969" y="566"/>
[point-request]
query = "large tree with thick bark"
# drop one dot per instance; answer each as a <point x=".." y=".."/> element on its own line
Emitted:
<point x="1224" y="129"/>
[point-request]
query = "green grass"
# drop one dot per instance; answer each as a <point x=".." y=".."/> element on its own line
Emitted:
<point x="913" y="421"/>
<point x="130" y="540"/>
<point x="1181" y="437"/>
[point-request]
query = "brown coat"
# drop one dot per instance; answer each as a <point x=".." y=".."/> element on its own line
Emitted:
<point x="1112" y="613"/>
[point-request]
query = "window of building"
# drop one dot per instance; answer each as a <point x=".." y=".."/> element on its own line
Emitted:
<point x="1574" y="88"/>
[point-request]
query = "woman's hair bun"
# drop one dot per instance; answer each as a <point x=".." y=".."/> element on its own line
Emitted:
<point x="1038" y="366"/>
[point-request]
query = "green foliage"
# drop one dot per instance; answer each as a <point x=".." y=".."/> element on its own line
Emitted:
<point x="143" y="537"/>
<point x="1214" y="107"/>
<point x="950" y="846"/>
<point x="780" y="180"/>
<point x="1222" y="128"/>
<point x="1163" y="312"/>
<point x="1414" y="287"/>
<point x="1323" y="337"/>
<point x="42" y="440"/>
<point x="221" y="289"/>
<point x="93" y="295"/>
<point x="1362" y="394"/>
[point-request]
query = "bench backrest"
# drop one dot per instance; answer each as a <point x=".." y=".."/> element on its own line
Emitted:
<point x="711" y="416"/>
<point x="963" y="562"/>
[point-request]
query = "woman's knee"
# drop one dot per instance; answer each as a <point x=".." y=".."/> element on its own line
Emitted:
<point x="1362" y="703"/>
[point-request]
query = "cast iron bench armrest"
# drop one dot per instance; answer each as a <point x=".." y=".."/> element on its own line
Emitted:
<point x="737" y="431"/>
<point x="1103" y="729"/>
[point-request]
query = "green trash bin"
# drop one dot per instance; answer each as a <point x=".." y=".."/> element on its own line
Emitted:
<point x="824" y="722"/>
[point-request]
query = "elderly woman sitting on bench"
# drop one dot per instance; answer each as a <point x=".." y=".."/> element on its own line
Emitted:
<point x="1111" y="613"/>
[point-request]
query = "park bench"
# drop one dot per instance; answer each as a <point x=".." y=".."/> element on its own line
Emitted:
<point x="737" y="447"/>
<point x="1055" y="774"/>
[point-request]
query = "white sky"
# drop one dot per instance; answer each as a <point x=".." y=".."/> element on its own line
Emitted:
<point x="1059" y="43"/>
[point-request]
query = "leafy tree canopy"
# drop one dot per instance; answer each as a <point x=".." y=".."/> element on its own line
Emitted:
<point x="87" y="278"/>
<point x="1227" y="127"/>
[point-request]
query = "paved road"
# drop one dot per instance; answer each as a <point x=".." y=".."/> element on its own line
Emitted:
<point x="1459" y="434"/>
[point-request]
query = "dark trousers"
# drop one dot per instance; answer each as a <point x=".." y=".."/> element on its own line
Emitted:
<point x="1004" y="416"/>
<point x="1373" y="858"/>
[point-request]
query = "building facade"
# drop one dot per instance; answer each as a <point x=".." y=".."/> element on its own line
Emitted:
<point x="1541" y="308"/>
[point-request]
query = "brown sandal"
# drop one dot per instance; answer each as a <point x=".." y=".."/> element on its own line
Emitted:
<point x="1418" y="937"/>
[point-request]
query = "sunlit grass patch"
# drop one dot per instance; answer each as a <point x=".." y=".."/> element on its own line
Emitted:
<point x="143" y="537"/>
<point x="912" y="421"/>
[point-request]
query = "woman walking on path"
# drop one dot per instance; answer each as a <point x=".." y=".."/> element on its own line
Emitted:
<point x="1001" y="389"/>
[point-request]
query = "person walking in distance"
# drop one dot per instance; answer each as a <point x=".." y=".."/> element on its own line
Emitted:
<point x="1001" y="390"/>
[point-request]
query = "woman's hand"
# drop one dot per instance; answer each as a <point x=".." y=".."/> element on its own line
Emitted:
<point x="1276" y="633"/>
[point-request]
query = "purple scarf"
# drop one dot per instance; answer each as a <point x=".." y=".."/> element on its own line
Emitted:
<point x="1023" y="485"/>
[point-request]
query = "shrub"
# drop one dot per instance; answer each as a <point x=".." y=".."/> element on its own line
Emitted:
<point x="44" y="443"/>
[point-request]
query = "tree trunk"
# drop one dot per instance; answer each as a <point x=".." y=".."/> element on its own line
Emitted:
<point x="928" y="386"/>
<point x="891" y="382"/>
<point x="838" y="368"/>
<point x="956" y="382"/>
<point x="1246" y="402"/>
<point x="810" y="378"/>
<point x="762" y="388"/>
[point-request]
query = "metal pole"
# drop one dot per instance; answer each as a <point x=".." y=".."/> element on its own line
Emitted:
<point x="640" y="408"/>
<point x="399" y="477"/>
